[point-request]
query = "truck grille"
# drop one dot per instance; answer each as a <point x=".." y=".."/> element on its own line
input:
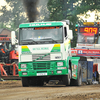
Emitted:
<point x="38" y="66"/>
<point x="40" y="57"/>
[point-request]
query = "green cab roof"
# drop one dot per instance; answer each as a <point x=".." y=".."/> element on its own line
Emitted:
<point x="40" y="24"/>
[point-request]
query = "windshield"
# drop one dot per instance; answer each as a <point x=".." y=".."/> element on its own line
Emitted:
<point x="40" y="35"/>
<point x="85" y="39"/>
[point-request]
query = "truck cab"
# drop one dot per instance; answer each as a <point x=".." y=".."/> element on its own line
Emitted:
<point x="45" y="53"/>
<point x="87" y="35"/>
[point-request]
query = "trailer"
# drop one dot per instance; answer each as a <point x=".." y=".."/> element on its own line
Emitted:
<point x="88" y="47"/>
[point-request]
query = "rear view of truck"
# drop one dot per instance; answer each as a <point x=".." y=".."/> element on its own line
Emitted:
<point x="88" y="47"/>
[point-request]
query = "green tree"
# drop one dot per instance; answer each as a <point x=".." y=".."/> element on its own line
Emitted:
<point x="2" y="18"/>
<point x="43" y="11"/>
<point x="14" y="16"/>
<point x="69" y="9"/>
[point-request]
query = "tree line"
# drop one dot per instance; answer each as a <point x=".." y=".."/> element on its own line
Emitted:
<point x="50" y="10"/>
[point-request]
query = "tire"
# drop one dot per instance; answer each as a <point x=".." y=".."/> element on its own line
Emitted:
<point x="25" y="82"/>
<point x="40" y="83"/>
<point x="77" y="82"/>
<point x="32" y="82"/>
<point x="67" y="78"/>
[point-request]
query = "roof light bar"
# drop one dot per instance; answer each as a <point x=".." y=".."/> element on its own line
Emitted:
<point x="88" y="23"/>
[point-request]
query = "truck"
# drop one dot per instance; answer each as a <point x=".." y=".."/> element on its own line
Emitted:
<point x="45" y="54"/>
<point x="8" y="58"/>
<point x="88" y="47"/>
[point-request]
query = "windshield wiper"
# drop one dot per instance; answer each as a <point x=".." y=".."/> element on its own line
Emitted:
<point x="49" y="39"/>
<point x="29" y="41"/>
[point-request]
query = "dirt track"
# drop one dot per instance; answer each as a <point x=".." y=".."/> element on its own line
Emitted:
<point x="13" y="90"/>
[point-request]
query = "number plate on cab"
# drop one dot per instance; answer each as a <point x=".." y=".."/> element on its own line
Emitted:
<point x="41" y="74"/>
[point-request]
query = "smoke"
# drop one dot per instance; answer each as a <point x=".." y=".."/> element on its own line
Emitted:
<point x="31" y="9"/>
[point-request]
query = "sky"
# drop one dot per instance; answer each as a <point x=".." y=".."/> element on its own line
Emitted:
<point x="92" y="16"/>
<point x="2" y="2"/>
<point x="90" y="19"/>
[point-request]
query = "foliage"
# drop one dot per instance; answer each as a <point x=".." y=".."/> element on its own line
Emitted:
<point x="58" y="10"/>
<point x="43" y="11"/>
<point x="69" y="9"/>
<point x="14" y="16"/>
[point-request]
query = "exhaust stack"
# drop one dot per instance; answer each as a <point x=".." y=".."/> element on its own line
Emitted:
<point x="31" y="9"/>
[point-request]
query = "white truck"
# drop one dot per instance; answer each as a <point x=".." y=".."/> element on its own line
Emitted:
<point x="45" y="54"/>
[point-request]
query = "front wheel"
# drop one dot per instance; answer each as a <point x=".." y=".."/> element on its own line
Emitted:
<point x="40" y="82"/>
<point x="67" y="78"/>
<point x="25" y="82"/>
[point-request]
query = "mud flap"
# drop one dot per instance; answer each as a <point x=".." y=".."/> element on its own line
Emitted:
<point x="74" y="66"/>
<point x="76" y="72"/>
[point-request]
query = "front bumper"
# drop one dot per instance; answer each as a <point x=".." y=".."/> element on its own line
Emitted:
<point x="48" y="68"/>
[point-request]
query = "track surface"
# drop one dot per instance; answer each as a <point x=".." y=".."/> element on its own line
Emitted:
<point x="13" y="90"/>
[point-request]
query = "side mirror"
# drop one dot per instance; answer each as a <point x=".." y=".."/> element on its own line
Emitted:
<point x="70" y="34"/>
<point x="13" y="38"/>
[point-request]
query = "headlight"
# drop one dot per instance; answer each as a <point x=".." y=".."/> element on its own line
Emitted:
<point x="23" y="65"/>
<point x="59" y="63"/>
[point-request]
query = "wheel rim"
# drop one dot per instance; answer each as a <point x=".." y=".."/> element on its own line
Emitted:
<point x="69" y="75"/>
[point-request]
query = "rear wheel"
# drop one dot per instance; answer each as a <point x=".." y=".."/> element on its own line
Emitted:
<point x="25" y="82"/>
<point x="79" y="79"/>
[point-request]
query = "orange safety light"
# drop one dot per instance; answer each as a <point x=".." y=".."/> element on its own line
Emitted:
<point x="19" y="69"/>
<point x="98" y="22"/>
<point x="76" y="30"/>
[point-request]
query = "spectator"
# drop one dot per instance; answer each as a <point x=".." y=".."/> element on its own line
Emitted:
<point x="2" y="47"/>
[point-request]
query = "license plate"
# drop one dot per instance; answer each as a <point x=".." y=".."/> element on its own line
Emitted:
<point x="41" y="74"/>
